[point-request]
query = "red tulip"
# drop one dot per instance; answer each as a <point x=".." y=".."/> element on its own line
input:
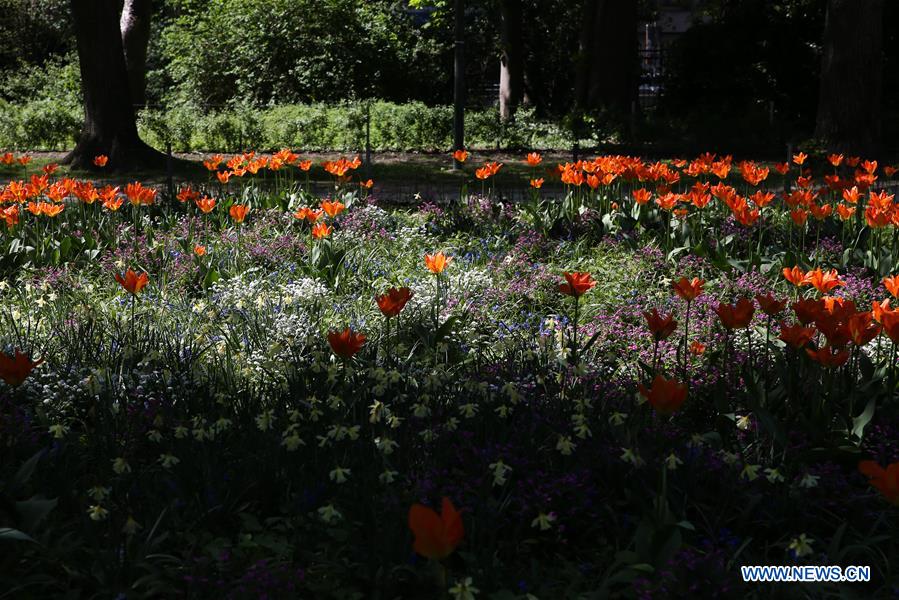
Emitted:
<point x="393" y="302"/>
<point x="660" y="327"/>
<point x="14" y="370"/>
<point x="688" y="289"/>
<point x="132" y="282"/>
<point x="346" y="343"/>
<point x="665" y="395"/>
<point x="436" y="536"/>
<point x="884" y="479"/>
<point x="577" y="284"/>
<point x="736" y="316"/>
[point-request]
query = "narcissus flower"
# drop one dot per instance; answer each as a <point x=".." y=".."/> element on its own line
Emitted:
<point x="393" y="302"/>
<point x="101" y="160"/>
<point x="14" y="370"/>
<point x="689" y="290"/>
<point x="132" y="282"/>
<point x="665" y="395"/>
<point x="577" y="284"/>
<point x="436" y="263"/>
<point x="436" y="536"/>
<point x="660" y="327"/>
<point x="886" y="480"/>
<point x="238" y="212"/>
<point x="346" y="343"/>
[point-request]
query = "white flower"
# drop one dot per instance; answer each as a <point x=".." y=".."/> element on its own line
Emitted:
<point x="464" y="590"/>
<point x="629" y="456"/>
<point x="500" y="470"/>
<point x="59" y="430"/>
<point x="617" y="418"/>
<point x="120" y="465"/>
<point x="801" y="546"/>
<point x="97" y="513"/>
<point x="750" y="472"/>
<point x="168" y="461"/>
<point x="809" y="481"/>
<point x="544" y="521"/>
<point x="99" y="493"/>
<point x="565" y="445"/>
<point x="673" y="462"/>
<point x="131" y="526"/>
<point x="329" y="514"/>
<point x="387" y="476"/>
<point x="339" y="475"/>
<point x="773" y="475"/>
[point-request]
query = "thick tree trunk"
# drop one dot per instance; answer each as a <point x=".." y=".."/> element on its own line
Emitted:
<point x="109" y="121"/>
<point x="135" y="26"/>
<point x="511" y="69"/>
<point x="851" y="76"/>
<point x="607" y="62"/>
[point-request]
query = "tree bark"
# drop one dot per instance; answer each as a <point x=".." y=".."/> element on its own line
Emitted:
<point x="607" y="60"/>
<point x="135" y="26"/>
<point x="459" y="80"/>
<point x="849" y="101"/>
<point x="511" y="70"/>
<point x="109" y="120"/>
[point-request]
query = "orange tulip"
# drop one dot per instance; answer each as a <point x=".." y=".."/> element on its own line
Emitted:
<point x="808" y="310"/>
<point x="665" y="395"/>
<point x="238" y="212"/>
<point x="736" y="316"/>
<point x="660" y="327"/>
<point x="892" y="285"/>
<point x="321" y="230"/>
<point x="101" y="160"/>
<point x="537" y="183"/>
<point x="689" y="290"/>
<point x="886" y="480"/>
<point x="796" y="276"/>
<point x="577" y="284"/>
<point x="304" y="165"/>
<point x="460" y="156"/>
<point x="800" y="158"/>
<point x="346" y="343"/>
<point x="436" y="263"/>
<point x="14" y="370"/>
<point x="223" y="176"/>
<point x="824" y="282"/>
<point x="835" y="159"/>
<point x="186" y="194"/>
<point x="534" y="159"/>
<point x="697" y="348"/>
<point x="642" y="196"/>
<point x="213" y="163"/>
<point x="132" y="282"/>
<point x="436" y="536"/>
<point x="332" y="209"/>
<point x="206" y="204"/>
<point x="200" y="250"/>
<point x="393" y="302"/>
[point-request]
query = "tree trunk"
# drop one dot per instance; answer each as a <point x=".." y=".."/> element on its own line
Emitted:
<point x="511" y="69"/>
<point x="459" y="80"/>
<point x="109" y="122"/>
<point x="851" y="76"/>
<point x="607" y="63"/>
<point x="135" y="26"/>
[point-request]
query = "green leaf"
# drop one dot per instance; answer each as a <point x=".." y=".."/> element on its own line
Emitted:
<point x="14" y="534"/>
<point x="860" y="422"/>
